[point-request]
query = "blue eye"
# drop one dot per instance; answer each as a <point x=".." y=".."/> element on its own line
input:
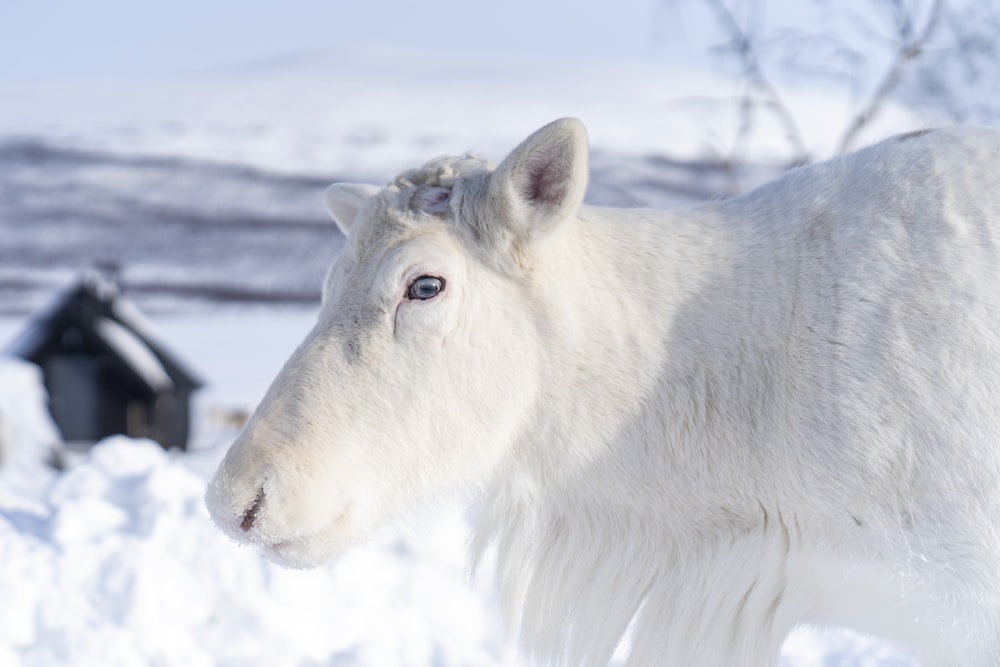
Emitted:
<point x="424" y="288"/>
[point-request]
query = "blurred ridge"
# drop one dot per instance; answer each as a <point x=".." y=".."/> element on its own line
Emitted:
<point x="189" y="232"/>
<point x="178" y="228"/>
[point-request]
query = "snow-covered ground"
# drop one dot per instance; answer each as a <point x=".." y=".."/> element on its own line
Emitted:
<point x="190" y="181"/>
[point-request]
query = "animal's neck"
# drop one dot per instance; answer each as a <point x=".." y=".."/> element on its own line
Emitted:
<point x="614" y="307"/>
<point x="626" y="458"/>
<point x="661" y="386"/>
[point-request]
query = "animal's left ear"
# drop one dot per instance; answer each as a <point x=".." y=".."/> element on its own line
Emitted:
<point x="345" y="200"/>
<point x="542" y="181"/>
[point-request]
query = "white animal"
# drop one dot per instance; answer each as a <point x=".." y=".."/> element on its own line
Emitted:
<point x="716" y="425"/>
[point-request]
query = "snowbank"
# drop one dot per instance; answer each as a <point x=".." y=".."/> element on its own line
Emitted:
<point x="121" y="566"/>
<point x="27" y="433"/>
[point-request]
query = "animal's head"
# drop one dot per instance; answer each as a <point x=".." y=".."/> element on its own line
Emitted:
<point x="421" y="370"/>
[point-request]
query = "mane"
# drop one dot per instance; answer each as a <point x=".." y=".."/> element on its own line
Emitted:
<point x="582" y="588"/>
<point x="552" y="572"/>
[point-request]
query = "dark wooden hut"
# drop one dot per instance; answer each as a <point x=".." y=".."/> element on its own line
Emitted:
<point x="104" y="369"/>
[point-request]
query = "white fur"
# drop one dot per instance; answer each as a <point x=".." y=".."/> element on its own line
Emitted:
<point x="712" y="426"/>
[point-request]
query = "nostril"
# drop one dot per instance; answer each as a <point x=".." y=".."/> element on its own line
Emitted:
<point x="250" y="516"/>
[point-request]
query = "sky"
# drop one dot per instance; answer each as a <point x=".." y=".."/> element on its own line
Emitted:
<point x="86" y="39"/>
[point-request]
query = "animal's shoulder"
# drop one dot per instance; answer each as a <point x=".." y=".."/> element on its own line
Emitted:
<point x="925" y="173"/>
<point x="933" y="152"/>
<point x="912" y="166"/>
<point x="946" y="138"/>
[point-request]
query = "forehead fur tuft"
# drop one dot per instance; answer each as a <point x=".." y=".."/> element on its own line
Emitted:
<point x="430" y="188"/>
<point x="443" y="172"/>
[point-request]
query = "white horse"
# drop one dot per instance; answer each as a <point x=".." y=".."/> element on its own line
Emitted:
<point x="714" y="425"/>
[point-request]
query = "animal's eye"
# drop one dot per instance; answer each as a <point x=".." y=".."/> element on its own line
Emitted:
<point x="425" y="287"/>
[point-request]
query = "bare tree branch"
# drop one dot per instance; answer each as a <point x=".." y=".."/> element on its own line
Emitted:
<point x="959" y="77"/>
<point x="940" y="56"/>
<point x="743" y="46"/>
<point x="910" y="48"/>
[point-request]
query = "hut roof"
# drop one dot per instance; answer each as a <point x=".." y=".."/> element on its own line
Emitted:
<point x="96" y="309"/>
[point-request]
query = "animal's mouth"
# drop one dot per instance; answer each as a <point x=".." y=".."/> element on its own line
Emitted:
<point x="313" y="549"/>
<point x="298" y="554"/>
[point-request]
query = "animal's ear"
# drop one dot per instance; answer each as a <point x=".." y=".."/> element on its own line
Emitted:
<point x="542" y="181"/>
<point x="345" y="200"/>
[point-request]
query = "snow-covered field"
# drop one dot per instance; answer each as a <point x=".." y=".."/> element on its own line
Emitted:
<point x="208" y="190"/>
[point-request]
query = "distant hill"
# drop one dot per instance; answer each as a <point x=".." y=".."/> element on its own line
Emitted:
<point x="187" y="231"/>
